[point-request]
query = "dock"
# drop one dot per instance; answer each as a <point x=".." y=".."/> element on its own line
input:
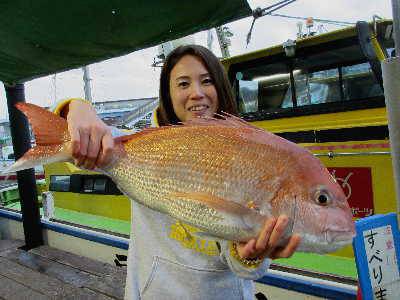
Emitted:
<point x="49" y="273"/>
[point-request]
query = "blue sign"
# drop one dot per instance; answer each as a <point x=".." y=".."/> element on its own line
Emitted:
<point x="376" y="249"/>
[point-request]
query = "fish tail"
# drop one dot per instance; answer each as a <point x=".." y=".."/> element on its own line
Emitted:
<point x="51" y="136"/>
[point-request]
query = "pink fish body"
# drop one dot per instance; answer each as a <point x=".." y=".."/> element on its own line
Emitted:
<point x="223" y="176"/>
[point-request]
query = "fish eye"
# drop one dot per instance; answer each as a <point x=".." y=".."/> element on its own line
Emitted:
<point x="322" y="198"/>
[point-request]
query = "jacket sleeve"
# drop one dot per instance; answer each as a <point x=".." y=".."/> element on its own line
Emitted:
<point x="58" y="107"/>
<point x="238" y="267"/>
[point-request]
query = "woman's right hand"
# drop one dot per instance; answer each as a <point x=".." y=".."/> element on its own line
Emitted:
<point x="92" y="142"/>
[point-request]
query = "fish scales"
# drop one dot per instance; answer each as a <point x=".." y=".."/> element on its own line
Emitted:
<point x="215" y="161"/>
<point x="215" y="164"/>
<point x="208" y="162"/>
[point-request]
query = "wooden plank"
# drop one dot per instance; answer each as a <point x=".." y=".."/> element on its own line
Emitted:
<point x="10" y="244"/>
<point x="36" y="281"/>
<point x="53" y="269"/>
<point x="79" y="262"/>
<point x="84" y="294"/>
<point x="111" y="285"/>
<point x="9" y="289"/>
<point x="108" y="285"/>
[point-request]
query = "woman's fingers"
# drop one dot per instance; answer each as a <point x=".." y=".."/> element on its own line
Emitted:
<point x="270" y="236"/>
<point x="83" y="146"/>
<point x="268" y="241"/>
<point x="288" y="250"/>
<point x="93" y="148"/>
<point x="265" y="234"/>
<point x="277" y="232"/>
<point x="106" y="152"/>
<point x="75" y="142"/>
<point x="79" y="144"/>
<point x="246" y="249"/>
<point x="257" y="247"/>
<point x="86" y="131"/>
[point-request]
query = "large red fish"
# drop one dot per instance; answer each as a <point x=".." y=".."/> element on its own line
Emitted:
<point x="223" y="176"/>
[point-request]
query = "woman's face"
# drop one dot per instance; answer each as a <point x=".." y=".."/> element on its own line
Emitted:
<point x="192" y="90"/>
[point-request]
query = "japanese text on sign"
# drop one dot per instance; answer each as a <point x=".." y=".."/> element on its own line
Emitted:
<point x="382" y="262"/>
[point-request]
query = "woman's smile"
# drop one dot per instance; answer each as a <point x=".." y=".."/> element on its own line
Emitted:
<point x="201" y="107"/>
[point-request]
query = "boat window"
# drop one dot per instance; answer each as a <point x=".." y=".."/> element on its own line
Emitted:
<point x="248" y="95"/>
<point x="61" y="183"/>
<point x="100" y="185"/>
<point x="317" y="87"/>
<point x="88" y="185"/>
<point x="359" y="82"/>
<point x="325" y="79"/>
<point x="262" y="87"/>
<point x="391" y="52"/>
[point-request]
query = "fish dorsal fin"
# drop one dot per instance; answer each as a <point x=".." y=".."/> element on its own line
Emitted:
<point x="221" y="119"/>
<point x="246" y="130"/>
<point x="143" y="132"/>
<point x="128" y="137"/>
<point x="48" y="128"/>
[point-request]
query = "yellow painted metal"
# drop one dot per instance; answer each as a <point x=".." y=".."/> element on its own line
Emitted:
<point x="377" y="48"/>
<point x="300" y="43"/>
<point x="112" y="206"/>
<point x="348" y="119"/>
<point x="310" y="41"/>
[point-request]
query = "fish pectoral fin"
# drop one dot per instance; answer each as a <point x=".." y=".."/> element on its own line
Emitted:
<point x="214" y="215"/>
<point x="204" y="236"/>
<point x="201" y="208"/>
<point x="218" y="204"/>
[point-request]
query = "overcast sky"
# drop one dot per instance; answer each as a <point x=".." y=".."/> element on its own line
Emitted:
<point x="132" y="76"/>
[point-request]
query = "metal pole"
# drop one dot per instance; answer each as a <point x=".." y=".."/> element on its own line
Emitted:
<point x="86" y="80"/>
<point x="396" y="24"/>
<point x="209" y="39"/>
<point x="223" y="44"/>
<point x="391" y="79"/>
<point x="26" y="178"/>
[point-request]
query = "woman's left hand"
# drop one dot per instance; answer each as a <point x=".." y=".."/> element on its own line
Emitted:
<point x="266" y="244"/>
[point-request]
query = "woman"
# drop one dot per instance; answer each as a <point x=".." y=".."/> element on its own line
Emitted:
<point x="166" y="259"/>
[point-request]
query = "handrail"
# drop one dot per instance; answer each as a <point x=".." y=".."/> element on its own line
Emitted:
<point x="332" y="154"/>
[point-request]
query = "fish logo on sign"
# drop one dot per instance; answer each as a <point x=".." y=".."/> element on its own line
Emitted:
<point x="356" y="183"/>
<point x="344" y="183"/>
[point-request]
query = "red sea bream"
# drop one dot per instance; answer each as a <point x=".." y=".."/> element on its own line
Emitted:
<point x="223" y="176"/>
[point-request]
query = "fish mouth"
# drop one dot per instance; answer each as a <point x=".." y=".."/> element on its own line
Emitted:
<point x="339" y="237"/>
<point x="325" y="243"/>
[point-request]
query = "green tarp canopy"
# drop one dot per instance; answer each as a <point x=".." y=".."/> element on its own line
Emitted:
<point x="42" y="37"/>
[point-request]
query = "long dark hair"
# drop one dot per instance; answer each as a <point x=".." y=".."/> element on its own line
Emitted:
<point x="226" y="102"/>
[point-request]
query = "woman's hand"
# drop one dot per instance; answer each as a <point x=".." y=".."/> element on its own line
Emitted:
<point x="266" y="245"/>
<point x="92" y="142"/>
